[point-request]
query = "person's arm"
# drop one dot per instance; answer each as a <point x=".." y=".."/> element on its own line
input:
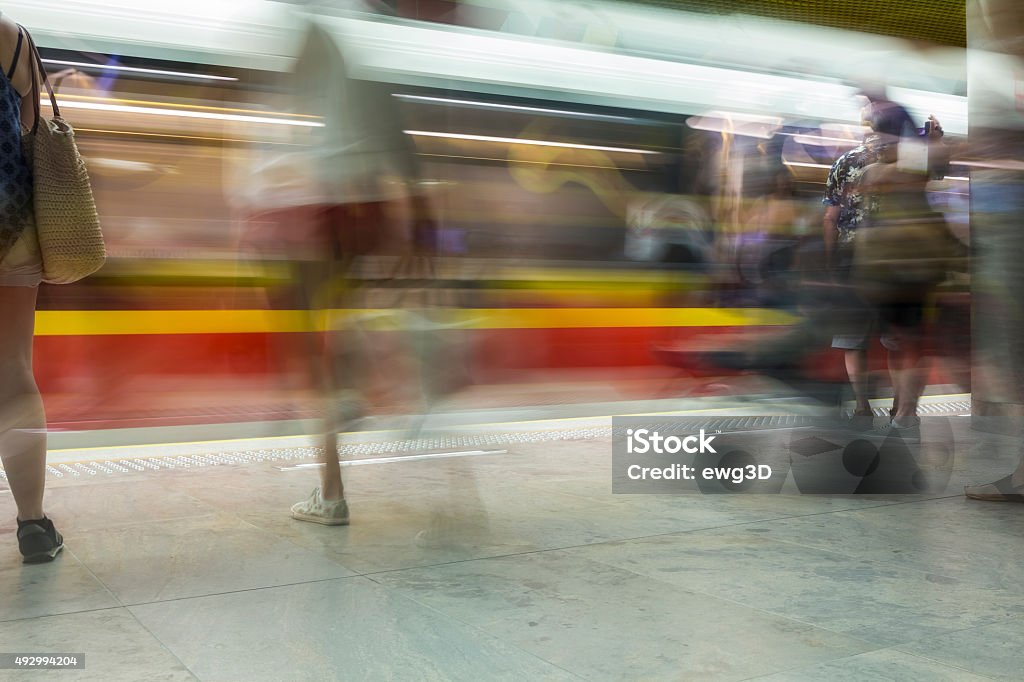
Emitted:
<point x="939" y="153"/>
<point x="22" y="71"/>
<point x="833" y="206"/>
<point x="831" y="228"/>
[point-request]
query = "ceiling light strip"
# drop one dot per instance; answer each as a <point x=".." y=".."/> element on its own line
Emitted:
<point x="65" y="96"/>
<point x="801" y="164"/>
<point x="513" y="107"/>
<point x="535" y="143"/>
<point x="537" y="163"/>
<point x="181" y="113"/>
<point x="137" y="69"/>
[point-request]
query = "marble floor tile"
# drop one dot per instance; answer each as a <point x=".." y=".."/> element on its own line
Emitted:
<point x="115" y="645"/>
<point x="387" y="534"/>
<point x="749" y="508"/>
<point x="995" y="651"/>
<point x="423" y="513"/>
<point x="883" y="665"/>
<point x="64" y="585"/>
<point x="488" y="506"/>
<point x="106" y="503"/>
<point x="240" y="487"/>
<point x="162" y="560"/>
<point x="332" y="630"/>
<point x="974" y="542"/>
<point x="524" y="565"/>
<point x="584" y="469"/>
<point x="606" y="623"/>
<point x="881" y="602"/>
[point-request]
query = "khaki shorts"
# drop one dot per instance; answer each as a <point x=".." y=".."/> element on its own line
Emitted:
<point x="23" y="264"/>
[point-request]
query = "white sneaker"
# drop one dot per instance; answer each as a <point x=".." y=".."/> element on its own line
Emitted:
<point x="319" y="510"/>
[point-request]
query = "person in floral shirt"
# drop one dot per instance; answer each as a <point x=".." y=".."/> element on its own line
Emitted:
<point x="847" y="208"/>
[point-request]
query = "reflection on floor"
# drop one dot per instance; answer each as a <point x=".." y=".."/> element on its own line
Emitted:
<point x="519" y="566"/>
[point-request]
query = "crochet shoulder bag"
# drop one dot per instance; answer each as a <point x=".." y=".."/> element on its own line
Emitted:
<point x="67" y="223"/>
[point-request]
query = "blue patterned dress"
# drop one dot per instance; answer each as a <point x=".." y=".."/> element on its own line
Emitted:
<point x="15" y="173"/>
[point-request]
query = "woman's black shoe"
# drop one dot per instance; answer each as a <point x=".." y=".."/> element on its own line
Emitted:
<point x="39" y="541"/>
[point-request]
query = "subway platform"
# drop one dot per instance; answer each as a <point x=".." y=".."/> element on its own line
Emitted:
<point x="496" y="550"/>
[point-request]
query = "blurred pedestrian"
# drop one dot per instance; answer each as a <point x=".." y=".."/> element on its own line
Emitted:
<point x="847" y="211"/>
<point x="904" y="249"/>
<point x="350" y="192"/>
<point x="22" y="420"/>
<point x="996" y="147"/>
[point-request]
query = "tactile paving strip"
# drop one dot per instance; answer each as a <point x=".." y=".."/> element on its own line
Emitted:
<point x="300" y="454"/>
<point x="137" y="465"/>
<point x="937" y="409"/>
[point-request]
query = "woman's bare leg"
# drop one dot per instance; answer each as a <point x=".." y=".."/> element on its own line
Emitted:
<point x="22" y="420"/>
<point x="857" y="370"/>
<point x="322" y="287"/>
<point x="313" y="298"/>
<point x="908" y="375"/>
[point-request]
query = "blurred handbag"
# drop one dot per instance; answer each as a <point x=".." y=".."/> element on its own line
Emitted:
<point x="427" y="312"/>
<point x="901" y="257"/>
<point x="68" y="225"/>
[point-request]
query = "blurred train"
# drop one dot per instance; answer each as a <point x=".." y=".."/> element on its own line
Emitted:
<point x="609" y="180"/>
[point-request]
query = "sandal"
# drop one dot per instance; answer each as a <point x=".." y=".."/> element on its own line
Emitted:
<point x="1002" y="490"/>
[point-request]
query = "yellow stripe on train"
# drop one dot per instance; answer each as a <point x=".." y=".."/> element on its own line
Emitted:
<point x="123" y="322"/>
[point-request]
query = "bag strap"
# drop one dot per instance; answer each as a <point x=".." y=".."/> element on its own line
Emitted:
<point x="39" y="74"/>
<point x="17" y="53"/>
